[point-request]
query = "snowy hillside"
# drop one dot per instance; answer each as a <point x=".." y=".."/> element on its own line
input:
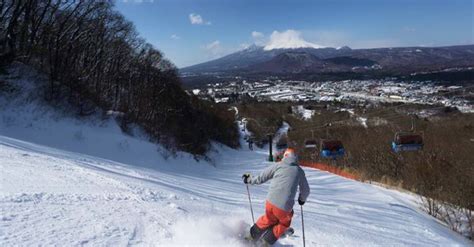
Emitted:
<point x="66" y="181"/>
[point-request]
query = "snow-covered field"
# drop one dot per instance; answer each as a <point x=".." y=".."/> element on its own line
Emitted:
<point x="68" y="182"/>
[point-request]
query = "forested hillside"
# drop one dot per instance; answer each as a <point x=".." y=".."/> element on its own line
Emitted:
<point x="94" y="60"/>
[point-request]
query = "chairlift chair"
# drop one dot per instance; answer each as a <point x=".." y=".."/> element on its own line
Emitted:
<point x="310" y="144"/>
<point x="332" y="149"/>
<point x="407" y="141"/>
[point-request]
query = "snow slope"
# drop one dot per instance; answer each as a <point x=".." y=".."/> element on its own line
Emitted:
<point x="104" y="188"/>
<point x="54" y="197"/>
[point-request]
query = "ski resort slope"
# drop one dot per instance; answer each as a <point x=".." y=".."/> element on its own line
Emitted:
<point x="54" y="197"/>
<point x="66" y="181"/>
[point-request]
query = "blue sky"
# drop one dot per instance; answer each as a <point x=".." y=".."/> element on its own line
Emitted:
<point x="190" y="32"/>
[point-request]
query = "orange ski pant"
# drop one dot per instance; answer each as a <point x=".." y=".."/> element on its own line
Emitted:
<point x="276" y="217"/>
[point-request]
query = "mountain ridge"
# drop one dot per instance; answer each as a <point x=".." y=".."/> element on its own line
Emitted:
<point x="398" y="59"/>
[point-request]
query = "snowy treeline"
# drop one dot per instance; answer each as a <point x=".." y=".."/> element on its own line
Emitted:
<point x="93" y="57"/>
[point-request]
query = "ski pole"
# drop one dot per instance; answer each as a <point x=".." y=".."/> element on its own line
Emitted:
<point x="250" y="202"/>
<point x="302" y="224"/>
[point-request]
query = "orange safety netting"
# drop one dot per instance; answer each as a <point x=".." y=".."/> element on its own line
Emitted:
<point x="329" y="168"/>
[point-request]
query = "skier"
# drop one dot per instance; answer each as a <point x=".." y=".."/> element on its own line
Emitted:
<point x="286" y="176"/>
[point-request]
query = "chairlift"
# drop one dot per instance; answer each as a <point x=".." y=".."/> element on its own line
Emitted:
<point x="332" y="149"/>
<point x="407" y="141"/>
<point x="310" y="144"/>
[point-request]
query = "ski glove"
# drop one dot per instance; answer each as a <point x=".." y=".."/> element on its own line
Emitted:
<point x="246" y="178"/>
<point x="301" y="202"/>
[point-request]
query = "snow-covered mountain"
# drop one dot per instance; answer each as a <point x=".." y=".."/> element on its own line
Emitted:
<point x="252" y="55"/>
<point x="255" y="59"/>
<point x="66" y="181"/>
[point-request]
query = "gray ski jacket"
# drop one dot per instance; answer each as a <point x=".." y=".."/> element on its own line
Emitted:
<point x="285" y="176"/>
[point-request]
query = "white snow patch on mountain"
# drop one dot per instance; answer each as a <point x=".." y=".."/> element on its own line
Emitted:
<point x="288" y="39"/>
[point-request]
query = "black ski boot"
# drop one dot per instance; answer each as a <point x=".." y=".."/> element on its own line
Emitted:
<point x="269" y="238"/>
<point x="256" y="232"/>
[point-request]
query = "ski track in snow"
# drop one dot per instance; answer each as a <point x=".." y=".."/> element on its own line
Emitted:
<point x="70" y="182"/>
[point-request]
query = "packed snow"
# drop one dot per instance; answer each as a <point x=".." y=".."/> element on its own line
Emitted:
<point x="68" y="181"/>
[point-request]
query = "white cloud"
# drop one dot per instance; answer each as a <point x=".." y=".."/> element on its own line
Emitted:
<point x="174" y="36"/>
<point x="258" y="38"/>
<point x="288" y="39"/>
<point x="257" y="35"/>
<point x="196" y="19"/>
